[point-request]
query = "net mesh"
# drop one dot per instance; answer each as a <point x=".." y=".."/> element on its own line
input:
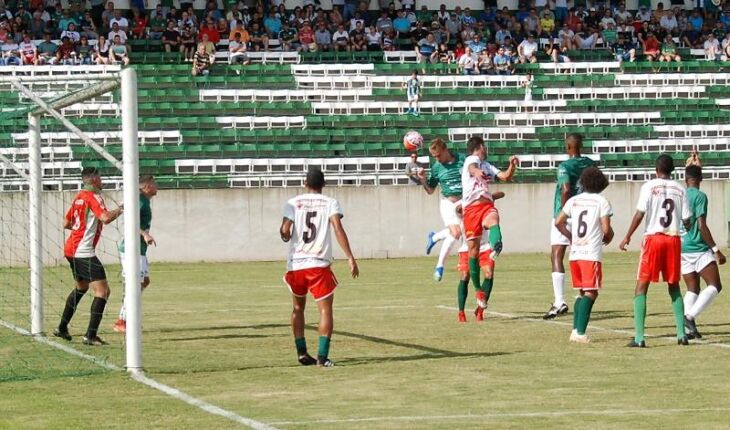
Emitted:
<point x="63" y="157"/>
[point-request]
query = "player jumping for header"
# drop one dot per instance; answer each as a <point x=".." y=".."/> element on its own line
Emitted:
<point x="85" y="218"/>
<point x="479" y="211"/>
<point x="306" y="223"/>
<point x="700" y="254"/>
<point x="591" y="215"/>
<point x="664" y="203"/>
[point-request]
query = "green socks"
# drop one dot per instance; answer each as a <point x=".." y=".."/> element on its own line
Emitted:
<point x="487" y="286"/>
<point x="461" y="294"/>
<point x="678" y="310"/>
<point x="576" y="307"/>
<point x="640" y="316"/>
<point x="583" y="311"/>
<point x="474" y="272"/>
<point x="324" y="348"/>
<point x="495" y="236"/>
<point x="301" y="345"/>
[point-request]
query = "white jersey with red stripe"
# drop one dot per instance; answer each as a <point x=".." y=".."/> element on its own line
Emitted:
<point x="475" y="188"/>
<point x="26" y="49"/>
<point x="665" y="205"/>
<point x="84" y="214"/>
<point x="585" y="211"/>
<point x="311" y="241"/>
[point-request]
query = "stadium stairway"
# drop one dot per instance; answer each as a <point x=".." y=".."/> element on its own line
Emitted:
<point x="264" y="124"/>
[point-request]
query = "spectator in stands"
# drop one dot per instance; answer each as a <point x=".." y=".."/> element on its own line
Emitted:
<point x="184" y="20"/>
<point x="643" y="14"/>
<point x="139" y="25"/>
<point x="585" y="39"/>
<point x="527" y="50"/>
<point x="547" y="23"/>
<point x="725" y="45"/>
<point x="389" y="40"/>
<point x="341" y="39"/>
<point x="223" y="30"/>
<point x="609" y="35"/>
<point x="158" y="25"/>
<point x="374" y="39"/>
<point x="84" y="52"/>
<point x="120" y="20"/>
<point x="651" y="47"/>
<point x="306" y="38"/>
<point x="696" y="19"/>
<point x="28" y="51"/>
<point x="210" y="30"/>
<point x="171" y="38"/>
<point x="476" y="44"/>
<point x="201" y="62"/>
<point x="187" y="39"/>
<point x="502" y="62"/>
<point x="118" y="52"/>
<point x="272" y="24"/>
<point x="259" y="39"/>
<point x="66" y="54"/>
<point x="411" y="170"/>
<point x="384" y="23"/>
<point x="107" y="16"/>
<point x="669" y="23"/>
<point x="355" y="20"/>
<point x="237" y="52"/>
<point x="555" y="52"/>
<point x="573" y="20"/>
<point x="692" y="37"/>
<point x="502" y="34"/>
<point x="47" y="50"/>
<point x="88" y="27"/>
<point x="359" y="29"/>
<point x="211" y="11"/>
<point x="713" y="51"/>
<point x="592" y="22"/>
<point x="622" y="14"/>
<point x="669" y="50"/>
<point x="468" y="63"/>
<point x="624" y="49"/>
<point x="484" y="63"/>
<point x="65" y="19"/>
<point x="117" y="32"/>
<point x="607" y="19"/>
<point x="323" y="37"/>
<point x="37" y="26"/>
<point x="10" y="56"/>
<point x="207" y="45"/>
<point x="531" y="24"/>
<point x="427" y="50"/>
<point x="289" y="38"/>
<point x="101" y="56"/>
<point x="402" y="26"/>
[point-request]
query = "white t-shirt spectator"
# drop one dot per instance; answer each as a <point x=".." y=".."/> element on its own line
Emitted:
<point x="606" y="20"/>
<point x="373" y="37"/>
<point x="668" y="23"/>
<point x="353" y="23"/>
<point x="468" y="62"/>
<point x="565" y="32"/>
<point x="528" y="49"/>
<point x="625" y="16"/>
<point x="123" y="23"/>
<point x="340" y="36"/>
<point x="122" y="35"/>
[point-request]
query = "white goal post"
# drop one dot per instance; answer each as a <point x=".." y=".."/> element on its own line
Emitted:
<point x="129" y="166"/>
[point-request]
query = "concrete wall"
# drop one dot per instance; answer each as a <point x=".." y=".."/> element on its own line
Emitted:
<point x="242" y="224"/>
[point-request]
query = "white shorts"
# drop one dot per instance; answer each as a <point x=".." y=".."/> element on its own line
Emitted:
<point x="696" y="261"/>
<point x="144" y="266"/>
<point x="556" y="237"/>
<point x="412" y="98"/>
<point x="448" y="212"/>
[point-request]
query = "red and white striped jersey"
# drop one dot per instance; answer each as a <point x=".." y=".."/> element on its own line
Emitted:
<point x="84" y="213"/>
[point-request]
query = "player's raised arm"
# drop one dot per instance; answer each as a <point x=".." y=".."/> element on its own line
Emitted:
<point x="507" y="175"/>
<point x="341" y="235"/>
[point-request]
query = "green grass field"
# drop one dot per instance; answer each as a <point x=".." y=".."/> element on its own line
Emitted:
<point x="220" y="332"/>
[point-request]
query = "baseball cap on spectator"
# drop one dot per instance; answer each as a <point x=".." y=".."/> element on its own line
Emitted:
<point x="593" y="9"/>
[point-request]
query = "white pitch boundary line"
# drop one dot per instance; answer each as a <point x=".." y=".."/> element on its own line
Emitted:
<point x="592" y="327"/>
<point x="141" y="378"/>
<point x="495" y="416"/>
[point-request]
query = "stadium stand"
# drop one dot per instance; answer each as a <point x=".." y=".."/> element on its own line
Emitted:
<point x="262" y="122"/>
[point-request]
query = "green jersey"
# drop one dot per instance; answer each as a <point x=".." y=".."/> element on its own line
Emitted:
<point x="448" y="176"/>
<point x="145" y="222"/>
<point x="692" y="240"/>
<point x="569" y="172"/>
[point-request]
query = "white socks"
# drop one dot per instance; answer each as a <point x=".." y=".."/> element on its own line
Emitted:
<point x="123" y="311"/>
<point x="449" y="242"/>
<point x="558" y="281"/>
<point x="689" y="300"/>
<point x="441" y="235"/>
<point x="703" y="301"/>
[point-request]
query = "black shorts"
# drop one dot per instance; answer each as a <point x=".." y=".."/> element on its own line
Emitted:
<point x="87" y="269"/>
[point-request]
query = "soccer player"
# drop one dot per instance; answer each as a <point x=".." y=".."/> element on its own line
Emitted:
<point x="446" y="172"/>
<point x="591" y="214"/>
<point x="664" y="203"/>
<point x="486" y="263"/>
<point x="479" y="211"/>
<point x="413" y="91"/>
<point x="700" y="255"/>
<point x="306" y="223"/>
<point x="568" y="185"/>
<point x="85" y="218"/>
<point x="147" y="190"/>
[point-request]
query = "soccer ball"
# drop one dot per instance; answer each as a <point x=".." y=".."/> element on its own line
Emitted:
<point x="413" y="141"/>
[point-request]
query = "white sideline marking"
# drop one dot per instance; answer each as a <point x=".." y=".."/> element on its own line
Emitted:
<point x="592" y="327"/>
<point x="548" y="414"/>
<point x="139" y="377"/>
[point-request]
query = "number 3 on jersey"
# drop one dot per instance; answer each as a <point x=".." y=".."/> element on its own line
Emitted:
<point x="310" y="233"/>
<point x="668" y="206"/>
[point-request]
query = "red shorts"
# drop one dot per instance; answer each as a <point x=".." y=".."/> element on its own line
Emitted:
<point x="319" y="281"/>
<point x="474" y="215"/>
<point x="660" y="253"/>
<point x="587" y="275"/>
<point x="484" y="261"/>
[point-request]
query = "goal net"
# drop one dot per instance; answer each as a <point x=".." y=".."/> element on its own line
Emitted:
<point x="55" y="121"/>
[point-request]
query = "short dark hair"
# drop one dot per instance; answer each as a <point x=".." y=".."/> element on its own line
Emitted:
<point x="577" y="137"/>
<point x="315" y="178"/>
<point x="693" y="172"/>
<point x="88" y="172"/>
<point x="473" y="143"/>
<point x="146" y="179"/>
<point x="665" y="164"/>
<point x="593" y="180"/>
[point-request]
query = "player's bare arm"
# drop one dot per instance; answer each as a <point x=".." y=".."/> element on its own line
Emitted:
<point x="110" y="216"/>
<point x="341" y="235"/>
<point x="285" y="229"/>
<point x="694" y="159"/>
<point x="709" y="240"/>
<point x="507" y="175"/>
<point x="149" y="240"/>
<point x="607" y="230"/>
<point x="635" y="222"/>
<point x="564" y="194"/>
<point x="561" y="223"/>
<point x="421" y="175"/>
